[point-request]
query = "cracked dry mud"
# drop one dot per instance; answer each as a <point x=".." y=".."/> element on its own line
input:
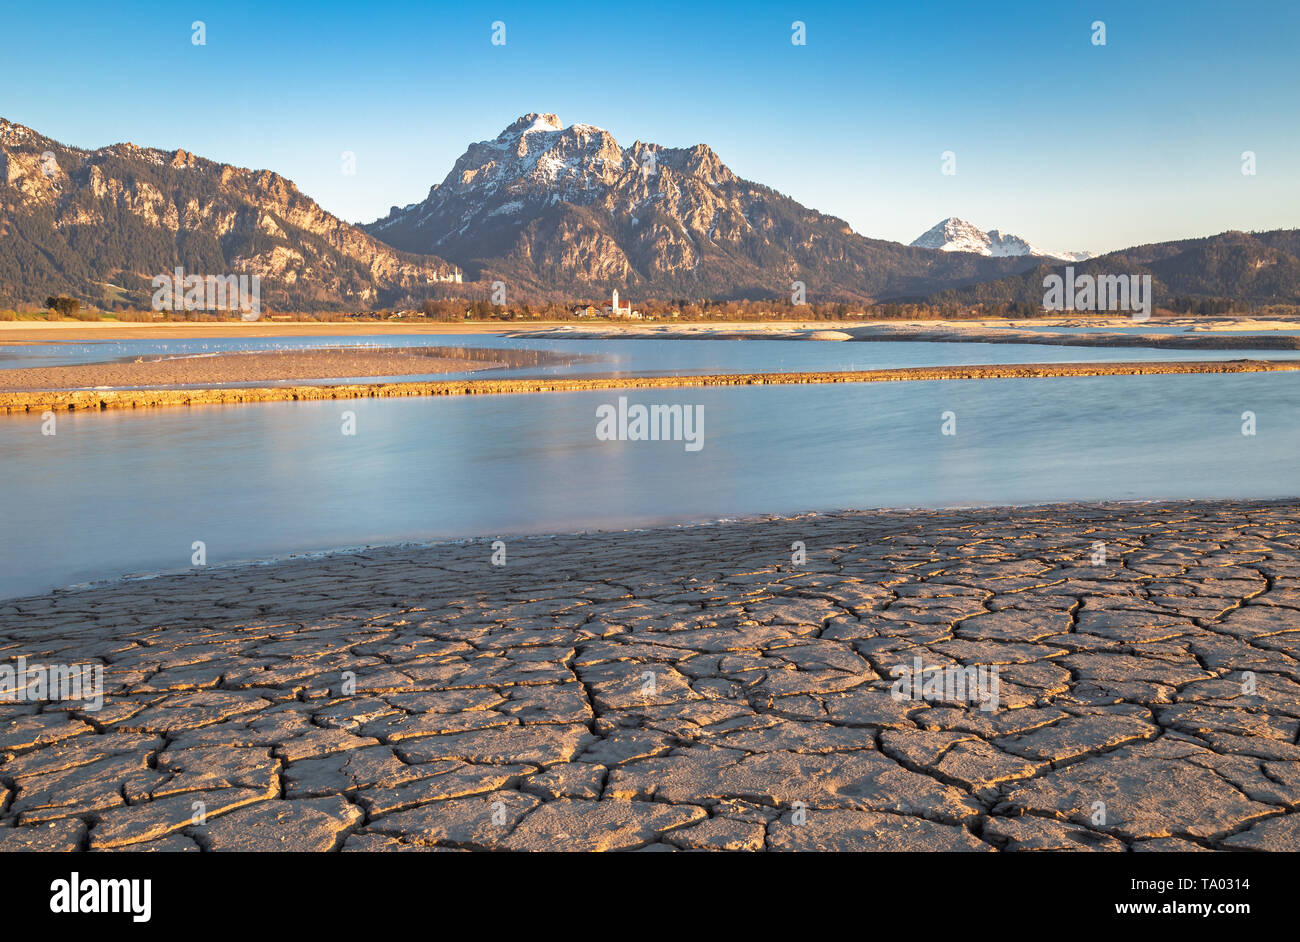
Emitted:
<point x="508" y="707"/>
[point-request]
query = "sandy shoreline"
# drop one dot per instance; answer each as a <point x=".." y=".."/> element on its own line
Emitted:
<point x="41" y="332"/>
<point x="695" y="688"/>
<point x="277" y="366"/>
<point x="45" y="332"/>
<point x="943" y="332"/>
<point x="62" y="400"/>
<point x="261" y="366"/>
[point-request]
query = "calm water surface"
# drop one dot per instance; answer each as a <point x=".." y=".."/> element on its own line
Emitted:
<point x="126" y="492"/>
<point x="641" y="357"/>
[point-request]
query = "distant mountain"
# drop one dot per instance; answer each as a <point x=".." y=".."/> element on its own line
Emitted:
<point x="101" y="224"/>
<point x="1254" y="267"/>
<point x="556" y="212"/>
<point x="566" y="210"/>
<point x="958" y="235"/>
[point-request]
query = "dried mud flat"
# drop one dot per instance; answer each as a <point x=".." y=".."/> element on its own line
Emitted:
<point x="688" y="689"/>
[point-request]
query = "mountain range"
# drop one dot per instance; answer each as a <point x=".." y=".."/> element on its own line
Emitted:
<point x="548" y="208"/>
<point x="1252" y="267"/>
<point x="100" y="224"/>
<point x="958" y="235"/>
<point x="555" y="212"/>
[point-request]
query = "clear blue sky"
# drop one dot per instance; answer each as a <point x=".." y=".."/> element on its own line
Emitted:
<point x="1070" y="145"/>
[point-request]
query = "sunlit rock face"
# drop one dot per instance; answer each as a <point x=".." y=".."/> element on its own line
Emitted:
<point x="82" y="221"/>
<point x="547" y="207"/>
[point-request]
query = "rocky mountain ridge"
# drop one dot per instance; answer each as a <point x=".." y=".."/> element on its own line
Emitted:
<point x="107" y="221"/>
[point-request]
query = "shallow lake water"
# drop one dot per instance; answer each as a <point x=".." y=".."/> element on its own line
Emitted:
<point x="122" y="492"/>
<point x="642" y="357"/>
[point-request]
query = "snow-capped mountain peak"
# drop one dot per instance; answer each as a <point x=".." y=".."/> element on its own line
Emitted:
<point x="536" y="163"/>
<point x="535" y="157"/>
<point x="955" y="235"/>
<point x="958" y="235"/>
<point x="540" y="122"/>
<point x="566" y="209"/>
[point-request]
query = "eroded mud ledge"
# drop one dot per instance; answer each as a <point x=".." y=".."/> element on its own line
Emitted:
<point x="93" y="400"/>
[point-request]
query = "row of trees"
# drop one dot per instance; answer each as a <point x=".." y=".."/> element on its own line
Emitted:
<point x="455" y="309"/>
<point x="680" y="309"/>
<point x="1207" y="307"/>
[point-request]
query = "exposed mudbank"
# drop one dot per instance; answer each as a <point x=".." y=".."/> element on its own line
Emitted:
<point x="276" y="366"/>
<point x="65" y="400"/>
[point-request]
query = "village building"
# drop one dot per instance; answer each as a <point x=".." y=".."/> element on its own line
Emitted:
<point x="613" y="310"/>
